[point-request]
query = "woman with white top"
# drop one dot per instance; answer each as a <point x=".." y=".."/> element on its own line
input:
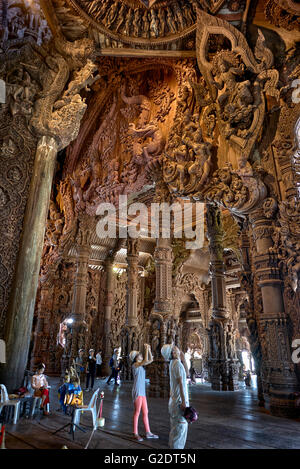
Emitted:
<point x="139" y="390"/>
<point x="40" y="386"/>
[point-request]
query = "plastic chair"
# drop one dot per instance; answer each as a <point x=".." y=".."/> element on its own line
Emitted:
<point x="91" y="407"/>
<point x="5" y="401"/>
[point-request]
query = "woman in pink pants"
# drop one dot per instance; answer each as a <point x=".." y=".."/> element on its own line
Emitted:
<point x="139" y="391"/>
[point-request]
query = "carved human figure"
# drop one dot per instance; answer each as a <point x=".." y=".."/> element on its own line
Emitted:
<point x="178" y="14"/>
<point x="121" y="17"/>
<point x="162" y="21"/>
<point x="146" y="23"/>
<point x="201" y="167"/>
<point x="77" y="193"/>
<point x="226" y="78"/>
<point x="188" y="13"/>
<point x="214" y="333"/>
<point x="136" y="22"/>
<point x="143" y="102"/>
<point x="111" y="15"/>
<point x="180" y="155"/>
<point x="154" y="23"/>
<point x="128" y="22"/>
<point x="184" y="100"/>
<point x="230" y="341"/>
<point x="155" y="343"/>
<point x="171" y="21"/>
<point x="152" y="141"/>
<point x="113" y="172"/>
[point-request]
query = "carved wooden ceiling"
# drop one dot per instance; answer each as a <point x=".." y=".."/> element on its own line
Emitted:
<point x="147" y="21"/>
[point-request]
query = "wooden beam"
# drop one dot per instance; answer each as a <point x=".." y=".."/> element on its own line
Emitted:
<point x="144" y="53"/>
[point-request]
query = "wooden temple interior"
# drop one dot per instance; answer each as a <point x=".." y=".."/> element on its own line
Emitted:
<point x="193" y="103"/>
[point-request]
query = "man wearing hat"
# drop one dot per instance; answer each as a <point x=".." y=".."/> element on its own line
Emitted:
<point x="179" y="398"/>
<point x="90" y="369"/>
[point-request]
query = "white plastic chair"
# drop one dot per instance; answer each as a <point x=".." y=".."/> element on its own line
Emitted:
<point x="5" y="401"/>
<point x="91" y="407"/>
<point x="36" y="401"/>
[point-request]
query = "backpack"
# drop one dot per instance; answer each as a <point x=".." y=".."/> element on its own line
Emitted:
<point x="111" y="362"/>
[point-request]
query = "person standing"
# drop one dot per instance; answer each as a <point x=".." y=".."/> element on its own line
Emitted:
<point x="98" y="363"/>
<point x="179" y="398"/>
<point x="120" y="365"/>
<point x="139" y="390"/>
<point x="90" y="369"/>
<point x="193" y="375"/>
<point x="114" y="367"/>
<point x="79" y="362"/>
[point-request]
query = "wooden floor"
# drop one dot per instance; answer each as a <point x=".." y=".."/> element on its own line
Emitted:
<point x="226" y="420"/>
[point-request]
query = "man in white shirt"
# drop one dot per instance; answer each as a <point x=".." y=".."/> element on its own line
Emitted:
<point x="98" y="363"/>
<point x="179" y="398"/>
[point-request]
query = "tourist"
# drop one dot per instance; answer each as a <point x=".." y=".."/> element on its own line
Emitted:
<point x="98" y="364"/>
<point x="179" y="398"/>
<point x="40" y="386"/>
<point x="79" y="361"/>
<point x="193" y="375"/>
<point x="248" y="379"/>
<point x="113" y="363"/>
<point x="90" y="369"/>
<point x="119" y="369"/>
<point x="139" y="390"/>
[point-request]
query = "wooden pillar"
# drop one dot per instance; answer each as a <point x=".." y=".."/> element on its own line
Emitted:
<point x="278" y="367"/>
<point x="23" y="294"/>
<point x="79" y="327"/>
<point x="163" y="272"/>
<point x="163" y="327"/>
<point x="223" y="368"/>
<point x="132" y="281"/>
<point x="107" y="352"/>
<point x="251" y="310"/>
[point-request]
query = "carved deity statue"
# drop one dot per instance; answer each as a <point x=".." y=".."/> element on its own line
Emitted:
<point x="155" y="343"/>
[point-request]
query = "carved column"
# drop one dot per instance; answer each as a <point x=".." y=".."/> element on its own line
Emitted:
<point x="132" y="281"/>
<point x="163" y="272"/>
<point x="278" y="367"/>
<point x="129" y="331"/>
<point x="22" y="299"/>
<point x="222" y="367"/>
<point x="161" y="319"/>
<point x="40" y="352"/>
<point x="251" y="312"/>
<point x="107" y="352"/>
<point x="80" y="285"/>
<point x="78" y="329"/>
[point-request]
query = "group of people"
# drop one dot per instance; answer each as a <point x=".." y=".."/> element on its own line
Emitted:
<point x="91" y="366"/>
<point x="179" y="398"/>
<point x="178" y="402"/>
